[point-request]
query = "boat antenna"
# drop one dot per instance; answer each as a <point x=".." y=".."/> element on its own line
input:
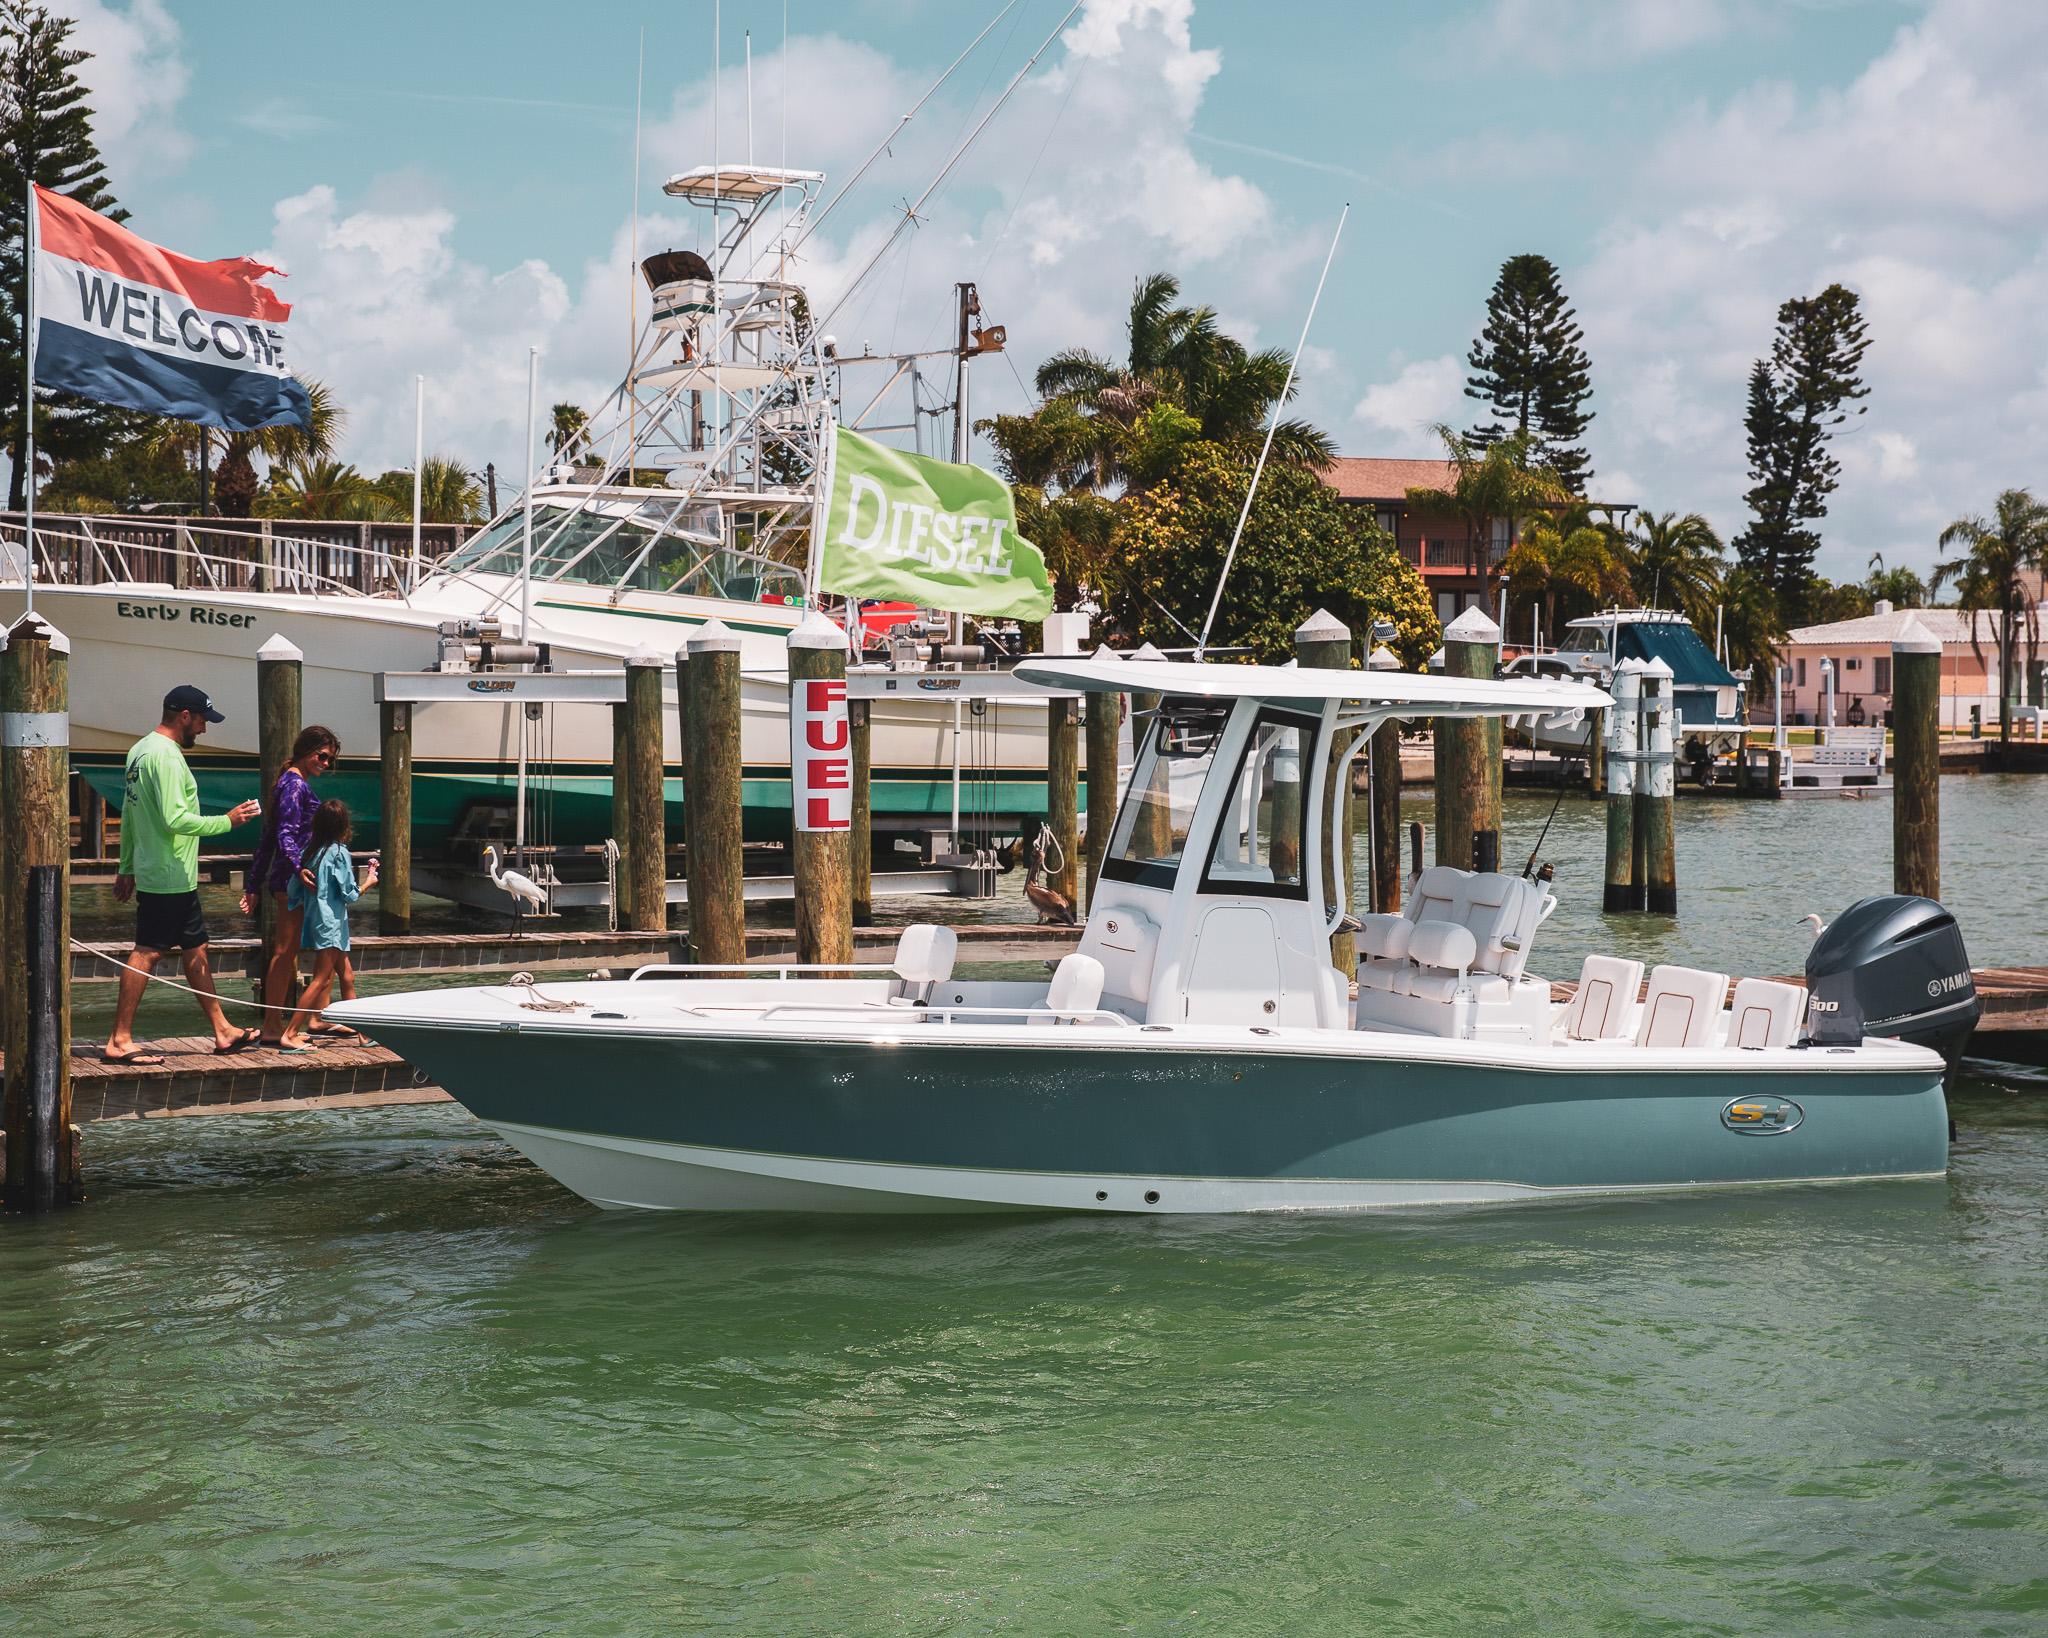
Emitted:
<point x="909" y="214"/>
<point x="1272" y="426"/>
<point x="749" y="39"/>
<point x="632" y="277"/>
<point x="896" y="130"/>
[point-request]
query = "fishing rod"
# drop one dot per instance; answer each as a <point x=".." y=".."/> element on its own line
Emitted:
<point x="1272" y="426"/>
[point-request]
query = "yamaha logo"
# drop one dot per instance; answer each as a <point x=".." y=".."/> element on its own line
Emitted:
<point x="1938" y="987"/>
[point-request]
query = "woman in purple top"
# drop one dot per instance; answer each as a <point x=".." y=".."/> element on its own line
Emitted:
<point x="287" y="828"/>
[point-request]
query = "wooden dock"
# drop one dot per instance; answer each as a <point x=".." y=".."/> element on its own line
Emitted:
<point x="194" y="1080"/>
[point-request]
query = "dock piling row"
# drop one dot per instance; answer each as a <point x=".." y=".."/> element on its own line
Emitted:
<point x="710" y="687"/>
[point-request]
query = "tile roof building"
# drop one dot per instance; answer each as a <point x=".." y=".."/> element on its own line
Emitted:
<point x="1859" y="654"/>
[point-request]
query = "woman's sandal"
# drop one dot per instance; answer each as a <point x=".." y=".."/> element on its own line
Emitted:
<point x="241" y="1043"/>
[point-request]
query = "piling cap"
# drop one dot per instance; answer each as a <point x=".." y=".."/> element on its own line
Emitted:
<point x="1104" y="652"/>
<point x="1148" y="652"/>
<point x="713" y="637"/>
<point x="1472" y="626"/>
<point x="817" y="629"/>
<point x="644" y="657"/>
<point x="279" y="647"/>
<point x="1435" y="661"/>
<point x="1383" y="658"/>
<point x="34" y="628"/>
<point x="1322" y="627"/>
<point x="1656" y="668"/>
<point x="1915" y="638"/>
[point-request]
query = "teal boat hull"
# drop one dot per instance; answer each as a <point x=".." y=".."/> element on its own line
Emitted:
<point x="899" y="1125"/>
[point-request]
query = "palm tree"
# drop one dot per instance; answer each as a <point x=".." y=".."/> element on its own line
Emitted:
<point x="1490" y="484"/>
<point x="213" y="448"/>
<point x="1900" y="587"/>
<point x="1680" y="559"/>
<point x="1991" y="577"/>
<point x="449" y="491"/>
<point x="1570" y="559"/>
<point x="1178" y="356"/>
<point x="568" y="425"/>
<point x="313" y="486"/>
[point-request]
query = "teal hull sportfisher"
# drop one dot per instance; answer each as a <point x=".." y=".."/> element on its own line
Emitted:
<point x="1199" y="1052"/>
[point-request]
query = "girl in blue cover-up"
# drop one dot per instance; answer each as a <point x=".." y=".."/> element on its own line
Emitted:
<point x="325" y="886"/>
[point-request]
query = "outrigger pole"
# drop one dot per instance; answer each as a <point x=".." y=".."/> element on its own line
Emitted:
<point x="1265" y="449"/>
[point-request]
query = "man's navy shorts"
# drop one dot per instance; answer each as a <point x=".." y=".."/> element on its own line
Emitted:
<point x="169" y="921"/>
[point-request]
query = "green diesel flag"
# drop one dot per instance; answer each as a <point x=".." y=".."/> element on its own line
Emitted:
<point x="928" y="532"/>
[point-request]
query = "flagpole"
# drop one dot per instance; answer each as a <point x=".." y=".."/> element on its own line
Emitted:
<point x="419" y="455"/>
<point x="28" y="398"/>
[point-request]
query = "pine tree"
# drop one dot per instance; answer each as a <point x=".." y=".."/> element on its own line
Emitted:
<point x="1530" y="368"/>
<point x="45" y="136"/>
<point x="1796" y="399"/>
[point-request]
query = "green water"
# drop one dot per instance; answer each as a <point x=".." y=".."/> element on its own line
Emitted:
<point x="371" y="1372"/>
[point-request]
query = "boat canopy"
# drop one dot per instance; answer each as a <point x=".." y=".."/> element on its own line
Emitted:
<point x="1679" y="646"/>
<point x="1425" y="695"/>
<point x="740" y="183"/>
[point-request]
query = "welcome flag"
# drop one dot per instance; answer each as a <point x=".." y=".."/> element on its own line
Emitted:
<point x="126" y="322"/>
<point x="930" y="532"/>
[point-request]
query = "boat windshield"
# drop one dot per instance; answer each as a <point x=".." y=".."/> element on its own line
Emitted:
<point x="1177" y="748"/>
<point x="1260" y="844"/>
<point x="1583" y="640"/>
<point x="608" y="547"/>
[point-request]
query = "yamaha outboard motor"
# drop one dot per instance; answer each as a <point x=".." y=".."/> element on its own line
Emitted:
<point x="1892" y="966"/>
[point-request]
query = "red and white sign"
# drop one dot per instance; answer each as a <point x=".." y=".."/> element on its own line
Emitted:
<point x="820" y="755"/>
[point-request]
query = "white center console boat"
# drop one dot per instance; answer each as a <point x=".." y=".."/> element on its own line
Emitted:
<point x="1199" y="1051"/>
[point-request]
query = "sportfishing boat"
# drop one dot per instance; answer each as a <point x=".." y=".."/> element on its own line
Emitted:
<point x="688" y="499"/>
<point x="1711" y="700"/>
<point x="1200" y="1052"/>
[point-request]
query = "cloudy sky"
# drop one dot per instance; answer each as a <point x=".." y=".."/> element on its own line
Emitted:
<point x="449" y="184"/>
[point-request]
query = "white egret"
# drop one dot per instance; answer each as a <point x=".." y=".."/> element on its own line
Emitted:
<point x="524" y="889"/>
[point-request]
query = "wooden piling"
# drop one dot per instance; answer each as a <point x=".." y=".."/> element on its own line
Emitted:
<point x="1383" y="764"/>
<point x="622" y="811"/>
<point x="711" y="794"/>
<point x="1656" y="835"/>
<point x="1105" y="720"/>
<point x="1619" y="892"/>
<point x="35" y="917"/>
<point x="1323" y="641"/>
<point x="1596" y="754"/>
<point x="821" y="791"/>
<point x="1062" y="796"/>
<point x="394" y="752"/>
<point x="1916" y="761"/>
<point x="639" y="759"/>
<point x="861" y="888"/>
<point x="1467" y="754"/>
<point x="1152" y="828"/>
<point x="280" y="694"/>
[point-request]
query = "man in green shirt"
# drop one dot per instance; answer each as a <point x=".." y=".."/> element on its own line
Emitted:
<point x="160" y="829"/>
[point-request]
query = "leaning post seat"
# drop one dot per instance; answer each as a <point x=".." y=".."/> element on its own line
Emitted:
<point x="1498" y="915"/>
<point x="1765" y="1014"/>
<point x="1606" y="995"/>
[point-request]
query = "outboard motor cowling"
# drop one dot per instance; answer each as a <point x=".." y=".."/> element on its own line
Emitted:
<point x="1892" y="966"/>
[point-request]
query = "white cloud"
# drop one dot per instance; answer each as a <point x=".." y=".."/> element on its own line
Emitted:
<point x="1903" y="184"/>
<point x="1401" y="412"/>
<point x="286" y="121"/>
<point x="1085" y="181"/>
<point x="136" y="76"/>
<point x="1550" y="36"/>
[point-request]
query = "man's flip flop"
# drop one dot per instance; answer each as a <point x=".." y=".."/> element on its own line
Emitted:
<point x="134" y="1060"/>
<point x="246" y="1039"/>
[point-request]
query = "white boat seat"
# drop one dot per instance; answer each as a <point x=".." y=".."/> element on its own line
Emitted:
<point x="1503" y="913"/>
<point x="1764" y="1015"/>
<point x="1446" y="945"/>
<point x="1431" y="984"/>
<point x="1681" y="1007"/>
<point x="1076" y="988"/>
<point x="1382" y="975"/>
<point x="925" y="953"/>
<point x="1432" y="896"/>
<point x="1600" y="1007"/>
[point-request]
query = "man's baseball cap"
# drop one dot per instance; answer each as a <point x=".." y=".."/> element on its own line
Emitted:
<point x="187" y="698"/>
